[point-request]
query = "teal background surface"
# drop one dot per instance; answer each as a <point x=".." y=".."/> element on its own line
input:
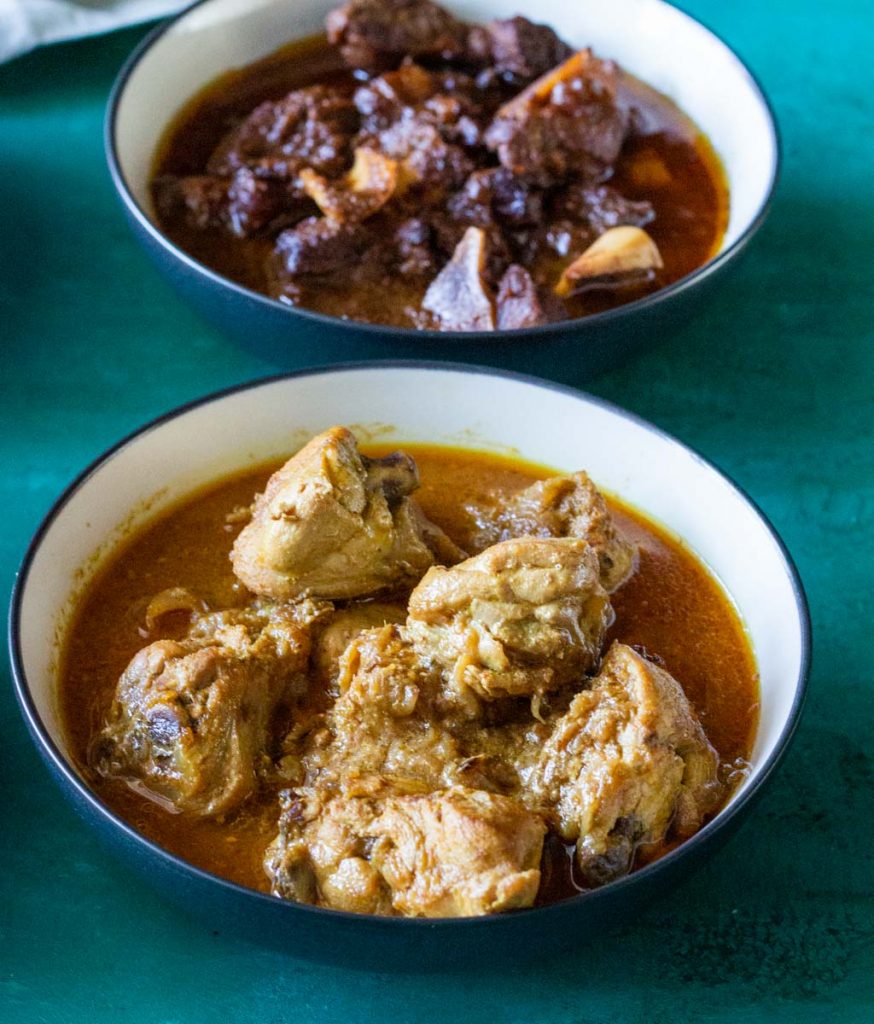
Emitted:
<point x="775" y="383"/>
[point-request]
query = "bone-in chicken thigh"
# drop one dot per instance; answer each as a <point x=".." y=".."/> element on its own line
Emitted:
<point x="334" y="524"/>
<point x="452" y="853"/>
<point x="523" y="617"/>
<point x="190" y="717"/>
<point x="628" y="760"/>
<point x="563" y="506"/>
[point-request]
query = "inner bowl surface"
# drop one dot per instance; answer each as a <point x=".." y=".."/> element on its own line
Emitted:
<point x="654" y="40"/>
<point x="464" y="406"/>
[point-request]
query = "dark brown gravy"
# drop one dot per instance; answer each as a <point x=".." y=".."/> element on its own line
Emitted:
<point x="672" y="606"/>
<point x="691" y="203"/>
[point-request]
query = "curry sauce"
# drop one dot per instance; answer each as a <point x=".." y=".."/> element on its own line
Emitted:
<point x="672" y="607"/>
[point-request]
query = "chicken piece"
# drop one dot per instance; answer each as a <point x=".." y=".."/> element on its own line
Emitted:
<point x="366" y="188"/>
<point x="627" y="761"/>
<point x="333" y="523"/>
<point x="566" y="124"/>
<point x="561" y="506"/>
<point x="377" y="34"/>
<point x="523" y="617"/>
<point x="190" y="718"/>
<point x="342" y="628"/>
<point x="458" y="297"/>
<point x="387" y="728"/>
<point x="456" y="853"/>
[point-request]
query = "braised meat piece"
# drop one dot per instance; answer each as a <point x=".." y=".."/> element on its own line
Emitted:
<point x="190" y="717"/>
<point x="365" y="189"/>
<point x="454" y="853"/>
<point x="497" y="195"/>
<point x="377" y="34"/>
<point x="627" y="762"/>
<point x="517" y="302"/>
<point x="566" y="124"/>
<point x="601" y="207"/>
<point x="318" y="245"/>
<point x="413" y="244"/>
<point x="524" y="617"/>
<point x="332" y="523"/>
<point x="255" y="204"/>
<point x="517" y="49"/>
<point x="311" y="127"/>
<point x="562" y="506"/>
<point x="459" y="297"/>
<point x="245" y="205"/>
<point x="424" y="121"/>
<point x="417" y="141"/>
<point x="200" y="198"/>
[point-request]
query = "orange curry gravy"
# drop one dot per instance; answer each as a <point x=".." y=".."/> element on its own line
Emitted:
<point x="672" y="606"/>
<point x="666" y="160"/>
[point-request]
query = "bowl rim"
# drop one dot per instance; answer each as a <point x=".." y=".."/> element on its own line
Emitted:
<point x="69" y="777"/>
<point x="497" y="337"/>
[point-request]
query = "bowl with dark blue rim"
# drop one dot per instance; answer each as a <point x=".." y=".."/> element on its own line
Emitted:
<point x="656" y="41"/>
<point x="482" y="408"/>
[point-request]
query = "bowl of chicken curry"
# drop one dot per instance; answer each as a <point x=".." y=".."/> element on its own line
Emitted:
<point x="363" y="655"/>
<point x="396" y="177"/>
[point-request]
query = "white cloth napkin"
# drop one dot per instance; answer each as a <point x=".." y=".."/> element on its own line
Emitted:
<point x="25" y="24"/>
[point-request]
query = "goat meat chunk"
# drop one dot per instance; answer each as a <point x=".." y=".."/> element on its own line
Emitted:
<point x="413" y="248"/>
<point x="521" y="50"/>
<point x="425" y="121"/>
<point x="517" y="301"/>
<point x="602" y="207"/>
<point x="201" y="198"/>
<point x="496" y="194"/>
<point x="311" y="127"/>
<point x="377" y="34"/>
<point x="318" y="245"/>
<point x="459" y="297"/>
<point x="566" y="124"/>
<point x="255" y="203"/>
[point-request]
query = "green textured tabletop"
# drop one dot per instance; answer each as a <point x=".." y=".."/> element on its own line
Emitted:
<point x="774" y="383"/>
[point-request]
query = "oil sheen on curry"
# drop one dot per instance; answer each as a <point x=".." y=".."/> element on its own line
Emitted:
<point x="426" y="683"/>
<point x="417" y="171"/>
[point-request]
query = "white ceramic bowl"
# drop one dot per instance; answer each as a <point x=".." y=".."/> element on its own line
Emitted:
<point x="654" y="40"/>
<point x="453" y="405"/>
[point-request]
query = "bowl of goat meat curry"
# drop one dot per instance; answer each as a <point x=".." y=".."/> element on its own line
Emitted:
<point x="394" y="177"/>
<point x="401" y="663"/>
